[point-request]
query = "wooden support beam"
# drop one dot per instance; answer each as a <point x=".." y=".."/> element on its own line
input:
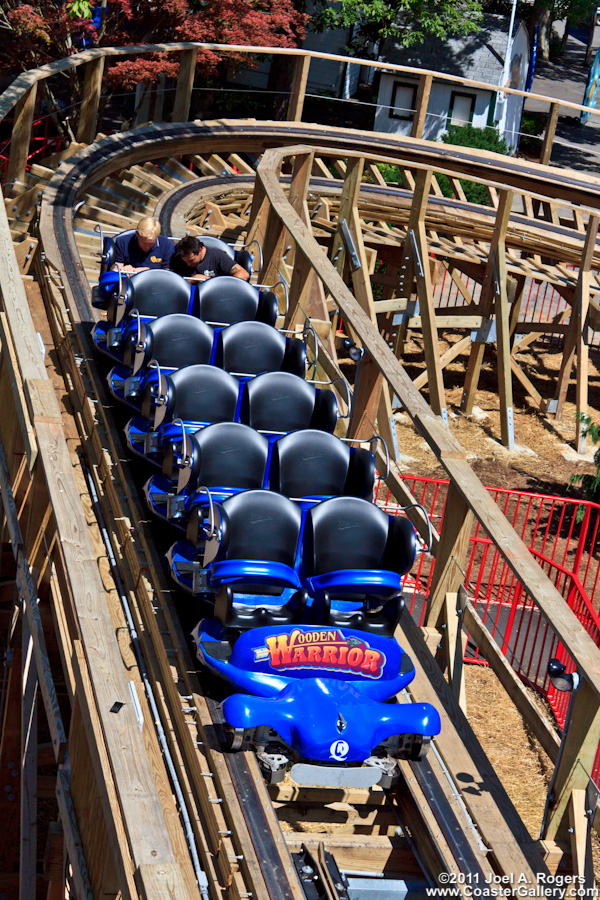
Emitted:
<point x="515" y="288"/>
<point x="21" y="135"/>
<point x="445" y="359"/>
<point x="29" y="739"/>
<point x="416" y="246"/>
<point x="54" y="853"/>
<point x="16" y="385"/>
<point x="300" y="289"/>
<point x="298" y="93"/>
<point x="315" y="300"/>
<point x="348" y="204"/>
<point x="185" y="85"/>
<point x="25" y="253"/>
<point x="273" y="248"/>
<point x="566" y="366"/>
<point x="451" y="554"/>
<point x="423" y="92"/>
<point x="372" y="407"/>
<point x="92" y="88"/>
<point x="534" y="329"/>
<point x="365" y="405"/>
<point x="259" y="212"/>
<point x="576" y="762"/>
<point x="581" y="844"/>
<point x="10" y="755"/>
<point x="454" y="602"/>
<point x="494" y="283"/>
<point x="31" y="612"/>
<point x="73" y="845"/>
<point x="549" y="133"/>
<point x="502" y="325"/>
<point x="453" y="272"/>
<point x="580" y="313"/>
<point x="529" y="386"/>
<point x="539" y="328"/>
<point x="277" y="238"/>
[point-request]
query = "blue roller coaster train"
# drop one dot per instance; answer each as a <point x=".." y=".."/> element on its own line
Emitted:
<point x="279" y="537"/>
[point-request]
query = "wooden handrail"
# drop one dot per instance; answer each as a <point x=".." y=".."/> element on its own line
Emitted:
<point x="23" y="88"/>
<point x="21" y="84"/>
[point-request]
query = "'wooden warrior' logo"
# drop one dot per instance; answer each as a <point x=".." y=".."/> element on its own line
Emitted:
<point x="321" y="650"/>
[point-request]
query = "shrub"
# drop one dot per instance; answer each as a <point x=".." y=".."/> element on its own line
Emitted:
<point x="392" y="174"/>
<point x="532" y="127"/>
<point x="481" y="139"/>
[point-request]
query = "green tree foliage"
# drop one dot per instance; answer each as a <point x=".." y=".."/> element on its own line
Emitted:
<point x="482" y="139"/>
<point x="543" y="13"/>
<point x="407" y="21"/>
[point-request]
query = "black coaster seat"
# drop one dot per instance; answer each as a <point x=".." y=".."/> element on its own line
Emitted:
<point x="312" y="465"/>
<point x="279" y="402"/>
<point x="226" y="300"/>
<point x="353" y="558"/>
<point x="251" y="348"/>
<point x="154" y="293"/>
<point x="187" y="400"/>
<point x="107" y="256"/>
<point x="174" y="341"/>
<point x="256" y="564"/>
<point x="199" y="393"/>
<point x="156" y="347"/>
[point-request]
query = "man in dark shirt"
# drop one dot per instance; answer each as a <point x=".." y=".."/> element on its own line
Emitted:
<point x="193" y="259"/>
<point x="146" y="249"/>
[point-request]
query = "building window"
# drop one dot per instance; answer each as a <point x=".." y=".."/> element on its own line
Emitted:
<point x="404" y="100"/>
<point x="462" y="107"/>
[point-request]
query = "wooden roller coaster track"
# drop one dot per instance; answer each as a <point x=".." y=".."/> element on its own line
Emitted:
<point x="127" y="732"/>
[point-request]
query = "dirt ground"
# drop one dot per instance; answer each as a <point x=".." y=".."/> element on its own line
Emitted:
<point x="521" y="764"/>
<point x="543" y="459"/>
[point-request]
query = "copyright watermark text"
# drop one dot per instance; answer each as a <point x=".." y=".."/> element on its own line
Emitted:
<point x="461" y="884"/>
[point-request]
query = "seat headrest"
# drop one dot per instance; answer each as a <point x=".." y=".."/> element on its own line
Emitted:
<point x="108" y="250"/>
<point x="202" y="394"/>
<point x="229" y="455"/>
<point x="250" y="348"/>
<point x="277" y="401"/>
<point x="179" y="340"/>
<point x="158" y="292"/>
<point x="261" y="525"/>
<point x="217" y="243"/>
<point x="227" y="299"/>
<point x="345" y="533"/>
<point x="309" y="463"/>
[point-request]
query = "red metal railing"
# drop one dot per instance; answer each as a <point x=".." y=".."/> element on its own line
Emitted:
<point x="567" y="550"/>
<point x="547" y="525"/>
<point x="43" y="144"/>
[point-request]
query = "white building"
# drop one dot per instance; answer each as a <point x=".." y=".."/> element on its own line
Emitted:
<point x="478" y="57"/>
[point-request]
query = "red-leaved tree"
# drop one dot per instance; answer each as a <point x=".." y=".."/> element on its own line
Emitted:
<point x="37" y="33"/>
